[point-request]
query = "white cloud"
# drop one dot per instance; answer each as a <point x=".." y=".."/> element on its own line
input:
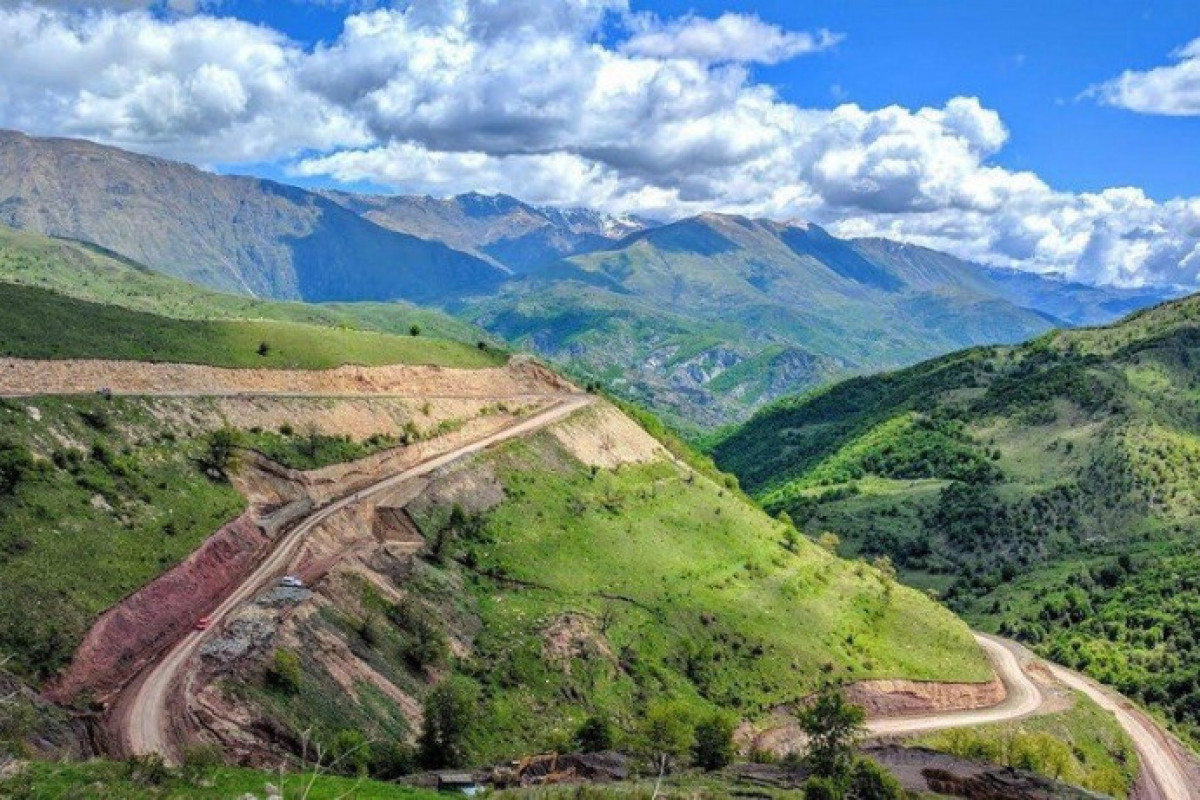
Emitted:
<point x="1171" y="91"/>
<point x="552" y="102"/>
<point x="198" y="87"/>
<point x="741" y="38"/>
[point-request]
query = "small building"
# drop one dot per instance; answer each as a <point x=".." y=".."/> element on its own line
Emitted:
<point x="461" y="782"/>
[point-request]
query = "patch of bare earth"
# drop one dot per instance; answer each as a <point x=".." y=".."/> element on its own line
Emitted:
<point x="22" y="377"/>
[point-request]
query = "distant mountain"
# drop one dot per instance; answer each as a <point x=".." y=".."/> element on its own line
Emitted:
<point x="234" y="233"/>
<point x="498" y="228"/>
<point x="1048" y="491"/>
<point x="707" y="318"/>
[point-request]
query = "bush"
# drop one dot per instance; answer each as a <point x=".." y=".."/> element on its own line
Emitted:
<point x="667" y="731"/>
<point x="16" y="464"/>
<point x="869" y="781"/>
<point x="147" y="770"/>
<point x="714" y="742"/>
<point x="199" y="759"/>
<point x="285" y="672"/>
<point x="415" y="330"/>
<point x="220" y="454"/>
<point x="596" y="734"/>
<point x="349" y="753"/>
<point x="449" y="712"/>
<point x="392" y="760"/>
<point x="821" y="788"/>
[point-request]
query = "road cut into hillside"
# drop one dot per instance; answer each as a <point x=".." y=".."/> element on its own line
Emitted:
<point x="27" y="378"/>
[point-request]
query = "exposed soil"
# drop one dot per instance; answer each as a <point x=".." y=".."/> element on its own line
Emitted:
<point x="20" y="377"/>
<point x="894" y="698"/>
<point x="131" y="634"/>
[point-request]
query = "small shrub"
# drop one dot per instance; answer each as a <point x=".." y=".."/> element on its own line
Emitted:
<point x="596" y="734"/>
<point x="264" y="349"/>
<point x="285" y="671"/>
<point x="714" y="742"/>
<point x="818" y="787"/>
<point x="349" y="753"/>
<point x="869" y="781"/>
<point x="147" y="770"/>
<point x="415" y="330"/>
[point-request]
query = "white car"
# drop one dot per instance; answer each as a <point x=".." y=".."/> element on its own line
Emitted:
<point x="291" y="581"/>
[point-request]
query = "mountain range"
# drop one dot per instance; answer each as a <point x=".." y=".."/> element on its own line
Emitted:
<point x="704" y="319"/>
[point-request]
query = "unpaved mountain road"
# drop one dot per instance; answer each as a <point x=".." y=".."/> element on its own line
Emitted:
<point x="1022" y="698"/>
<point x="1166" y="773"/>
<point x="141" y="716"/>
<point x="1160" y="761"/>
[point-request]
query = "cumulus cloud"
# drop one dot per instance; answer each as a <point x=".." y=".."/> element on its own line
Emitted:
<point x="573" y="102"/>
<point x="741" y="38"/>
<point x="197" y="87"/>
<point x="1171" y="91"/>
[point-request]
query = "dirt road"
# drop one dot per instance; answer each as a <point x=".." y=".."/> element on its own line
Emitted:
<point x="142" y="718"/>
<point x="1022" y="698"/>
<point x="1167" y="774"/>
<point x="1159" y="759"/>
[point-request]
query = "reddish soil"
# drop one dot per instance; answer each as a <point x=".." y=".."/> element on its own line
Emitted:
<point x="131" y="634"/>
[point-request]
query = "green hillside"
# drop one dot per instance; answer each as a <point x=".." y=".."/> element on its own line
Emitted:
<point x="614" y="593"/>
<point x="1048" y="490"/>
<point x="86" y="272"/>
<point x="35" y="323"/>
<point x="708" y="318"/>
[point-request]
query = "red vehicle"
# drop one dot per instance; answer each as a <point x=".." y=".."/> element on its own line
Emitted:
<point x="203" y="623"/>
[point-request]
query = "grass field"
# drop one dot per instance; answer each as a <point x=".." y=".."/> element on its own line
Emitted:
<point x="36" y="323"/>
<point x="104" y="780"/>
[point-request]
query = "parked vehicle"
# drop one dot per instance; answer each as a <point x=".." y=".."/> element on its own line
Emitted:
<point x="291" y="582"/>
<point x="203" y="623"/>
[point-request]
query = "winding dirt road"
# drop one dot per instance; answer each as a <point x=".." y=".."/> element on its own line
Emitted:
<point x="1166" y="774"/>
<point x="1022" y="698"/>
<point x="142" y="719"/>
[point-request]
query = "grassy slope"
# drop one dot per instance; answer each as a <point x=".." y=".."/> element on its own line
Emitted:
<point x="1083" y="746"/>
<point x="123" y="501"/>
<point x="1048" y="489"/>
<point x="685" y="591"/>
<point x="84" y="273"/>
<point x="35" y="323"/>
<point x="100" y="780"/>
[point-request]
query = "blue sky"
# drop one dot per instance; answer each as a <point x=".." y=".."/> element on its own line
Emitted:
<point x="1031" y="61"/>
<point x="1045" y="136"/>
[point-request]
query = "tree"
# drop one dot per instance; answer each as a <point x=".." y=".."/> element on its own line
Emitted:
<point x="596" y="734"/>
<point x="449" y="711"/>
<point x="221" y="456"/>
<point x="714" y="742"/>
<point x="667" y="732"/>
<point x="833" y="726"/>
<point x="415" y="330"/>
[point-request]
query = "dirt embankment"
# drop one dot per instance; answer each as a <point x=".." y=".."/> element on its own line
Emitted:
<point x="131" y="634"/>
<point x="30" y="377"/>
<point x="896" y="698"/>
